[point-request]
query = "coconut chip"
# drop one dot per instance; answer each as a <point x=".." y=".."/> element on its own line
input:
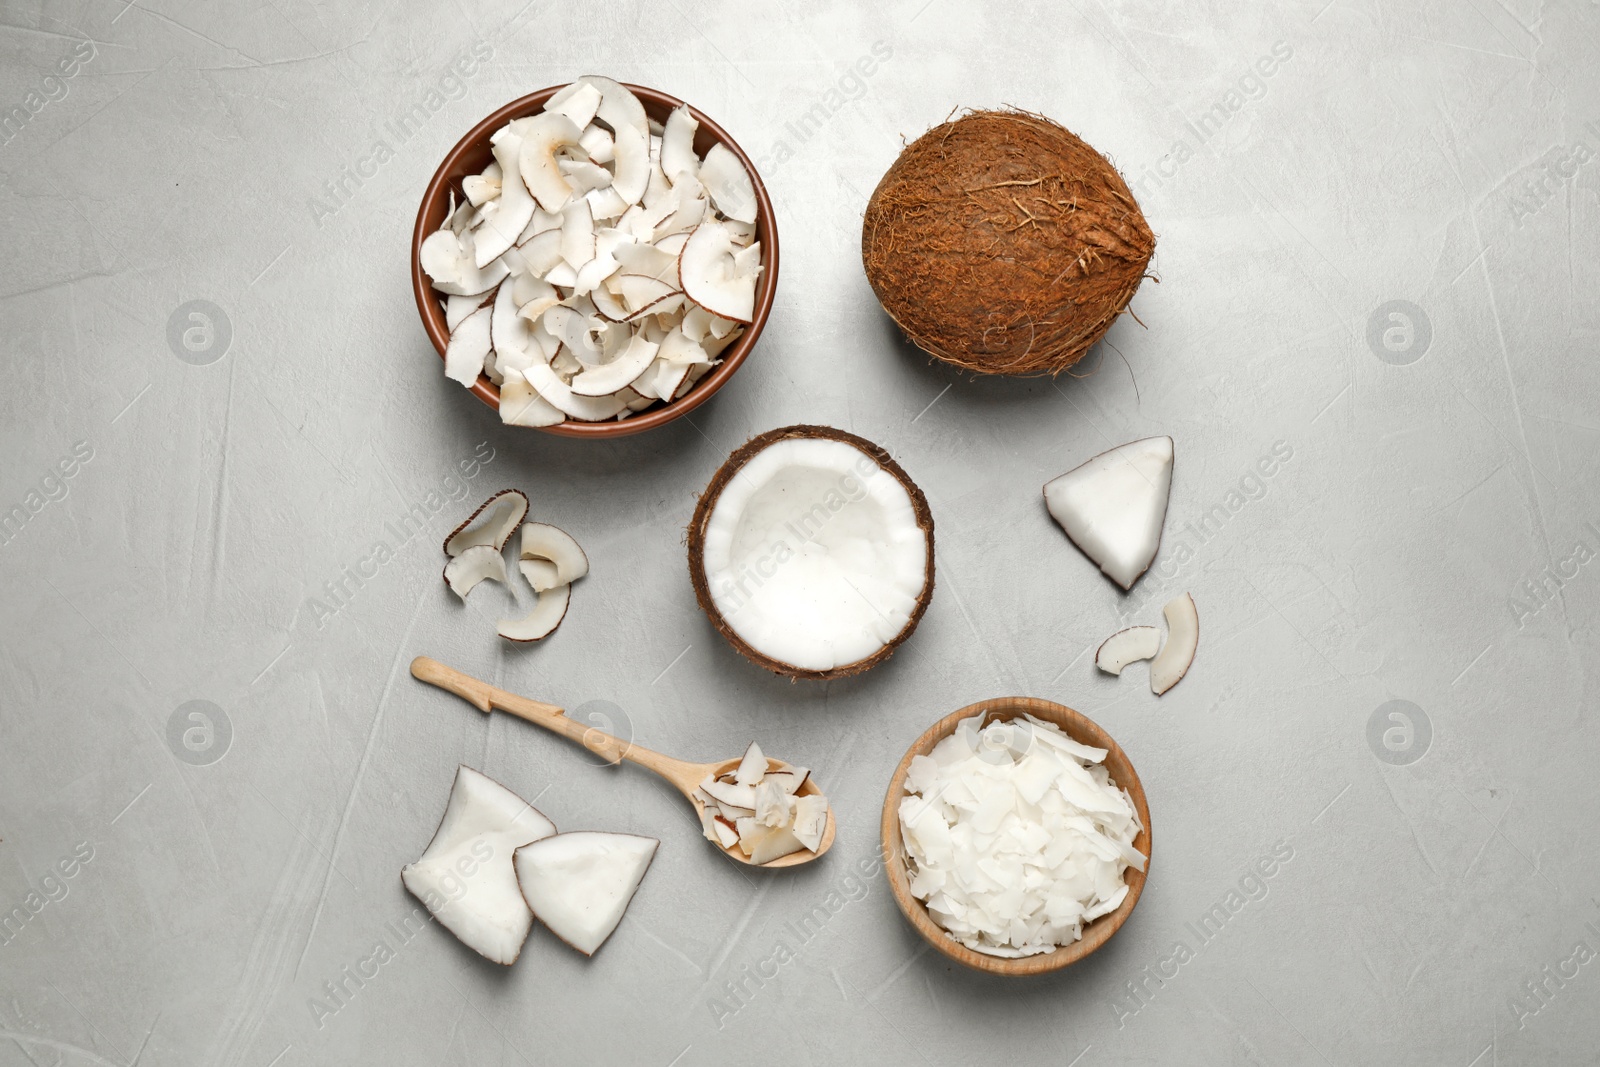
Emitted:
<point x="580" y="226"/>
<point x="1016" y="837"/>
<point x="755" y="807"/>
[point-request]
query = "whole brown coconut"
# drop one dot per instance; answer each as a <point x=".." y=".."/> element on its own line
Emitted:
<point x="1004" y="244"/>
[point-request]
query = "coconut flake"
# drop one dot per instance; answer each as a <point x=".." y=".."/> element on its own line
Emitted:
<point x="542" y="541"/>
<point x="472" y="566"/>
<point x="542" y="620"/>
<point x="1015" y="836"/>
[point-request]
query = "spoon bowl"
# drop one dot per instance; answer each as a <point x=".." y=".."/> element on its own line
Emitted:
<point x="684" y="776"/>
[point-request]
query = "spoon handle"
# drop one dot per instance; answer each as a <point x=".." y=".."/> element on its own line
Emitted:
<point x="485" y="698"/>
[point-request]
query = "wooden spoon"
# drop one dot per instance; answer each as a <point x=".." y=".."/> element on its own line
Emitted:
<point x="684" y="776"/>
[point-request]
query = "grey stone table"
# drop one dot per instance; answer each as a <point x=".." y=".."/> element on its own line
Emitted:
<point x="1374" y="341"/>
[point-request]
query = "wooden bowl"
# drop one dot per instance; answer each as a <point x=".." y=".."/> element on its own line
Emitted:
<point x="471" y="155"/>
<point x="1080" y="729"/>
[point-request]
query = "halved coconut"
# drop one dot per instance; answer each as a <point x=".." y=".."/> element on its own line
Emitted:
<point x="542" y="541"/>
<point x="1127" y="646"/>
<point x="466" y="877"/>
<point x="706" y="274"/>
<point x="472" y="566"/>
<point x="811" y="552"/>
<point x="580" y="884"/>
<point x="493" y="523"/>
<point x="542" y="620"/>
<point x="1113" y="506"/>
<point x="1183" y="637"/>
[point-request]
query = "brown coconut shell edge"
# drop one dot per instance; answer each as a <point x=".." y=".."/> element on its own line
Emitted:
<point x="713" y="493"/>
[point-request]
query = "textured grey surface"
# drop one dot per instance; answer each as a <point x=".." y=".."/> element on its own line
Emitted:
<point x="1439" y="910"/>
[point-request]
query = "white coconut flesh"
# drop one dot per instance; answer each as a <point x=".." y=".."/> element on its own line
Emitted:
<point x="582" y="223"/>
<point x="580" y="884"/>
<point x="1113" y="506"/>
<point x="466" y="877"/>
<point x="1016" y="836"/>
<point x="472" y="566"/>
<point x="813" y="555"/>
<point x="541" y="541"/>
<point x="1127" y="646"/>
<point x="492" y="524"/>
<point x="541" y="622"/>
<point x="1183" y="637"/>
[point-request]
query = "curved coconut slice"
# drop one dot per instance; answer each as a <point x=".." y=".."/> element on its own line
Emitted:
<point x="608" y="304"/>
<point x="458" y="273"/>
<point x="580" y="884"/>
<point x="1113" y="506"/>
<point x="542" y="620"/>
<point x="549" y="385"/>
<point x="610" y="377"/>
<point x="811" y="551"/>
<point x="467" y="878"/>
<point x="481" y="188"/>
<point x="515" y="210"/>
<point x="540" y="253"/>
<point x="491" y="524"/>
<point x="542" y="136"/>
<point x="729" y="184"/>
<point x="572" y="329"/>
<point x="1127" y="646"/>
<point x="638" y="292"/>
<point x="542" y="541"/>
<point x="457" y="308"/>
<point x="468" y="348"/>
<point x="473" y="565"/>
<point x="632" y="164"/>
<point x="577" y="234"/>
<point x="618" y="106"/>
<point x="540" y="574"/>
<point x="706" y="275"/>
<point x="677" y="144"/>
<point x="578" y="102"/>
<point x="520" y="405"/>
<point x="1183" y="637"/>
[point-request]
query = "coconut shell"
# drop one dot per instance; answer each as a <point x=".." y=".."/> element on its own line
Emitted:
<point x="702" y="517"/>
<point x="1004" y="244"/>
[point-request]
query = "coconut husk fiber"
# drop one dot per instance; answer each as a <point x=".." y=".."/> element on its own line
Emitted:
<point x="1003" y="243"/>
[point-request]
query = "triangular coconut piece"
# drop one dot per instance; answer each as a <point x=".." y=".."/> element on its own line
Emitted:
<point x="579" y="884"/>
<point x="466" y="877"/>
<point x="1113" y="506"/>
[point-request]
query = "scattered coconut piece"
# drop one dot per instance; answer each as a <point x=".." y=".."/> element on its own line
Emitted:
<point x="1183" y="637"/>
<point x="466" y="877"/>
<point x="1014" y="846"/>
<point x="811" y="551"/>
<point x="1113" y="506"/>
<point x="1127" y="646"/>
<point x="542" y="620"/>
<point x="492" y="523"/>
<point x="542" y="541"/>
<point x="580" y="884"/>
<point x="540" y="574"/>
<point x="472" y="566"/>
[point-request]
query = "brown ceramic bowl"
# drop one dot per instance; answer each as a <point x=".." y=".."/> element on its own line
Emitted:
<point x="1078" y="728"/>
<point x="471" y="154"/>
